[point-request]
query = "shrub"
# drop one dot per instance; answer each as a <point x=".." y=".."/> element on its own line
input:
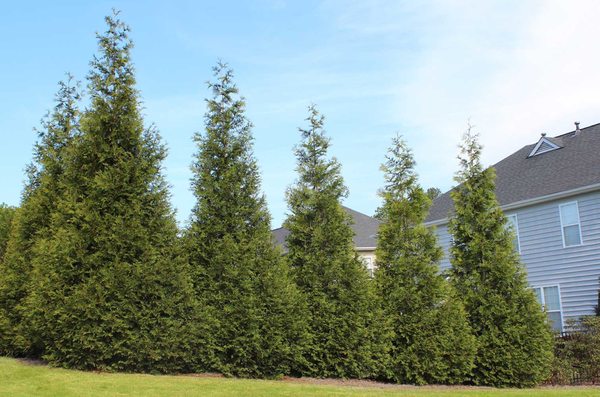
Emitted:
<point x="577" y="354"/>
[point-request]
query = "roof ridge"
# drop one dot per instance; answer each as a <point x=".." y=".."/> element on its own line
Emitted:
<point x="357" y="212"/>
<point x="572" y="132"/>
<point x="520" y="178"/>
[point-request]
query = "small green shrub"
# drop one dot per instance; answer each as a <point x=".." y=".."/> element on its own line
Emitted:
<point x="577" y="354"/>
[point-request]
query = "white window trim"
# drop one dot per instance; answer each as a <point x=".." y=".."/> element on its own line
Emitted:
<point x="562" y="226"/>
<point x="541" y="287"/>
<point x="369" y="263"/>
<point x="516" y="230"/>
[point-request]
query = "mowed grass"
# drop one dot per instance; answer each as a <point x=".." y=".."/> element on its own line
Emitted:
<point x="22" y="379"/>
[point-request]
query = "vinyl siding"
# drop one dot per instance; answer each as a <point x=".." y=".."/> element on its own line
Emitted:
<point x="574" y="269"/>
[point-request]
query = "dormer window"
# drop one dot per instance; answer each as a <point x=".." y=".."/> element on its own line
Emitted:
<point x="544" y="145"/>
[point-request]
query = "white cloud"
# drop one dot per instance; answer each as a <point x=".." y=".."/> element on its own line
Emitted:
<point x="513" y="71"/>
<point x="423" y="69"/>
<point x="552" y="78"/>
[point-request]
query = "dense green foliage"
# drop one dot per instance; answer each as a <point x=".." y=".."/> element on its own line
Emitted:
<point x="433" y="341"/>
<point x="597" y="308"/>
<point x="110" y="289"/>
<point x="32" y="219"/>
<point x="514" y="339"/>
<point x="433" y="193"/>
<point x="237" y="270"/>
<point x="345" y="339"/>
<point x="95" y="275"/>
<point x="577" y="353"/>
<point x="7" y="214"/>
<point x="10" y="291"/>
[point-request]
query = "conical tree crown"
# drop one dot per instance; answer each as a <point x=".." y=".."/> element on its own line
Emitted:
<point x="58" y="131"/>
<point x="238" y="272"/>
<point x="514" y="340"/>
<point x="317" y="172"/>
<point x="226" y="178"/>
<point x="111" y="291"/>
<point x="432" y="342"/>
<point x="43" y="189"/>
<point x="7" y="213"/>
<point x="317" y="222"/>
<point x="344" y="340"/>
<point x="405" y="245"/>
<point x="404" y="209"/>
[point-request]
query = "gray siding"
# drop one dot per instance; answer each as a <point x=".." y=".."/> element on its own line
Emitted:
<point x="444" y="239"/>
<point x="574" y="269"/>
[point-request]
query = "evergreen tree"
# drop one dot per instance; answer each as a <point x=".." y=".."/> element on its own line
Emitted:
<point x="433" y="193"/>
<point x="433" y="341"/>
<point x="514" y="339"/>
<point x="597" y="308"/>
<point x="345" y="338"/>
<point x="111" y="291"/>
<point x="32" y="219"/>
<point x="7" y="214"/>
<point x="238" y="272"/>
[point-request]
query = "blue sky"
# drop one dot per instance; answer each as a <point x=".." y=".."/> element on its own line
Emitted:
<point x="374" y="68"/>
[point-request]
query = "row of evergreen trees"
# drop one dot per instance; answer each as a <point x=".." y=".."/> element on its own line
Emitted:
<point x="96" y="274"/>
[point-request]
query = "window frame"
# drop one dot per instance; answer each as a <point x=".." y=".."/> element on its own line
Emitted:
<point x="369" y="265"/>
<point x="541" y="287"/>
<point x="562" y="225"/>
<point x="516" y="229"/>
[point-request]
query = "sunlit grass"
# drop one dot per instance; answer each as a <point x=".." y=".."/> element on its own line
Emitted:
<point x="22" y="379"/>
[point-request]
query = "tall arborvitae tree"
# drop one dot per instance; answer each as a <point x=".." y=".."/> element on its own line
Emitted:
<point x="32" y="219"/>
<point x="237" y="270"/>
<point x="514" y="339"/>
<point x="342" y="311"/>
<point x="7" y="213"/>
<point x="110" y="289"/>
<point x="433" y="341"/>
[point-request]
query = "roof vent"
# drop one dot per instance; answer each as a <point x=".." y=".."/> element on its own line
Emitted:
<point x="577" y="130"/>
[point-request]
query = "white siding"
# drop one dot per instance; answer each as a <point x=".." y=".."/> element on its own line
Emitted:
<point x="574" y="269"/>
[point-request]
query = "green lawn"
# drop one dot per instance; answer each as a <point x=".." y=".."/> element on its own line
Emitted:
<point x="19" y="379"/>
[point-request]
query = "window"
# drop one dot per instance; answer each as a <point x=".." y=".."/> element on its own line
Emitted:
<point x="369" y="265"/>
<point x="549" y="298"/>
<point x="569" y="221"/>
<point x="513" y="223"/>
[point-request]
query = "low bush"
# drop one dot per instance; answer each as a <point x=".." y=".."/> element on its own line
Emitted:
<point x="577" y="353"/>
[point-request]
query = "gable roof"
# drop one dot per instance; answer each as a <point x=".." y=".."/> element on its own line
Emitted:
<point x="365" y="230"/>
<point x="522" y="177"/>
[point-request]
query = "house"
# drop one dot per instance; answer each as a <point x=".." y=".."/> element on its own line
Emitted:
<point x="550" y="193"/>
<point x="365" y="236"/>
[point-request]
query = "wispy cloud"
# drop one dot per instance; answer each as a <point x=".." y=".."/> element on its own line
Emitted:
<point x="375" y="68"/>
<point x="514" y="70"/>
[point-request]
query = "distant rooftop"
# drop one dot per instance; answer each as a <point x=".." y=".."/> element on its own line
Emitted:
<point x="551" y="165"/>
<point x="364" y="227"/>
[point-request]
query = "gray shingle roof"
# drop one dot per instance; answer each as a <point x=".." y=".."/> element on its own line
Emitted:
<point x="280" y="234"/>
<point x="518" y="177"/>
<point x="364" y="227"/>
